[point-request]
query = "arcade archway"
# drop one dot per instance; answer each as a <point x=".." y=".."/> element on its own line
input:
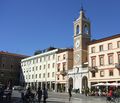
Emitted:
<point x="70" y="81"/>
<point x="84" y="82"/>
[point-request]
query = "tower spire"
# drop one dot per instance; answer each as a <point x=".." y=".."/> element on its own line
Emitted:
<point x="81" y="6"/>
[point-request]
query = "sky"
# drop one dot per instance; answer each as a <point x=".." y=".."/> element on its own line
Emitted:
<point x="30" y="25"/>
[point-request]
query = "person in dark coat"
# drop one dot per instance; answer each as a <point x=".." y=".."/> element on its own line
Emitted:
<point x="70" y="92"/>
<point x="45" y="94"/>
<point x="39" y="93"/>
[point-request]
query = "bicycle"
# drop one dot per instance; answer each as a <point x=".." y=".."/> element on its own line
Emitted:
<point x="112" y="100"/>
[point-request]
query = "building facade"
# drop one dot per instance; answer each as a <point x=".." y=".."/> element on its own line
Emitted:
<point x="39" y="70"/>
<point x="64" y="63"/>
<point x="78" y="76"/>
<point x="104" y="60"/>
<point x="10" y="68"/>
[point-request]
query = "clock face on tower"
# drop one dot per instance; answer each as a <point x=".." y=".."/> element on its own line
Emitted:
<point x="77" y="43"/>
<point x="77" y="58"/>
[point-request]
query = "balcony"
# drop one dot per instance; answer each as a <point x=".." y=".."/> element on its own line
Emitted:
<point x="63" y="72"/>
<point x="117" y="65"/>
<point x="93" y="69"/>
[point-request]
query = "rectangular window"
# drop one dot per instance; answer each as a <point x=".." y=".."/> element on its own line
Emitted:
<point x="40" y="67"/>
<point x="118" y="44"/>
<point x="58" y="58"/>
<point x="118" y="58"/>
<point x="101" y="48"/>
<point x="58" y="67"/>
<point x="48" y="74"/>
<point x="93" y="50"/>
<point x="36" y="75"/>
<point x="58" y="77"/>
<point x="109" y="46"/>
<point x="93" y="62"/>
<point x="39" y="75"/>
<point x="110" y="72"/>
<point x="63" y="56"/>
<point x="93" y="74"/>
<point x="33" y="69"/>
<point x="53" y="57"/>
<point x="48" y="65"/>
<point x="64" y="65"/>
<point x="102" y="73"/>
<point x="52" y="74"/>
<point x="101" y="59"/>
<point x="53" y="65"/>
<point x="110" y="59"/>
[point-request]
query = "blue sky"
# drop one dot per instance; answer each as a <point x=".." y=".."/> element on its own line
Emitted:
<point x="29" y="25"/>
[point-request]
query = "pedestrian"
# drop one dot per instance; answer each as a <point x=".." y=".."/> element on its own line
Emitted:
<point x="28" y="95"/>
<point x="69" y="91"/>
<point x="45" y="94"/>
<point x="39" y="94"/>
<point x="22" y="96"/>
<point x="86" y="91"/>
<point x="1" y="93"/>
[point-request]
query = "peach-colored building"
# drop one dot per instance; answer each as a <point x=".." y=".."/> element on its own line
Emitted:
<point x="104" y="60"/>
<point x="64" y="63"/>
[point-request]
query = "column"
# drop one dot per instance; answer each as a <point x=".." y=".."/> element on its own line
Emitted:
<point x="50" y="86"/>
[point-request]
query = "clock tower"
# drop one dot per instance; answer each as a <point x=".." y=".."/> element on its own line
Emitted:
<point x="81" y="39"/>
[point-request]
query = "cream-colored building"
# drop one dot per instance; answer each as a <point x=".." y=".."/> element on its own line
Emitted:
<point x="104" y="60"/>
<point x="39" y="70"/>
<point x="64" y="63"/>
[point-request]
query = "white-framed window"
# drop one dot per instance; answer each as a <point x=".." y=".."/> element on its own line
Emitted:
<point x="39" y="75"/>
<point x="101" y="59"/>
<point x="109" y="46"/>
<point x="101" y="48"/>
<point x="93" y="50"/>
<point x="118" y="44"/>
<point x="101" y="73"/>
<point x="53" y="74"/>
<point x="110" y="59"/>
<point x="93" y="61"/>
<point x="63" y="56"/>
<point x="111" y="72"/>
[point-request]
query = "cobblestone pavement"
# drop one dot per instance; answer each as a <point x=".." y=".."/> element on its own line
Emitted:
<point x="63" y="98"/>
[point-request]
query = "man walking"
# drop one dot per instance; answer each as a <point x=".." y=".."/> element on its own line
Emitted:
<point x="69" y="91"/>
<point x="39" y="93"/>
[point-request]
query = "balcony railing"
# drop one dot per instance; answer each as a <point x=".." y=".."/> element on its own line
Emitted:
<point x="117" y="65"/>
<point x="63" y="72"/>
<point x="93" y="69"/>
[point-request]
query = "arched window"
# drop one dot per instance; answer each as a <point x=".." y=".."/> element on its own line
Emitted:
<point x="77" y="29"/>
<point x="86" y="29"/>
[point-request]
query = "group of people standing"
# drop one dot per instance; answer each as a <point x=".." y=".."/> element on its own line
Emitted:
<point x="29" y="96"/>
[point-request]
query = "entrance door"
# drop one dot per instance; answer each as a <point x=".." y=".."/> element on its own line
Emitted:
<point x="84" y="82"/>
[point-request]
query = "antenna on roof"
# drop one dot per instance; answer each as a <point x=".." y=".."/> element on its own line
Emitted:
<point x="81" y="6"/>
